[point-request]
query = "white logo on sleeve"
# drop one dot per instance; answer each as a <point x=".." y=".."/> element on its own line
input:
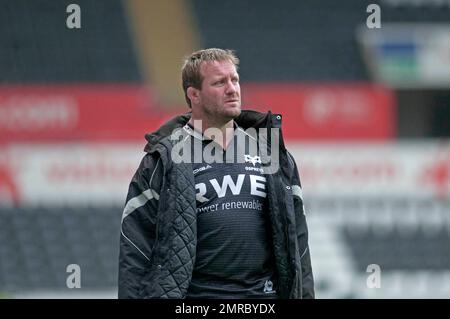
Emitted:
<point x="268" y="287"/>
<point x="253" y="160"/>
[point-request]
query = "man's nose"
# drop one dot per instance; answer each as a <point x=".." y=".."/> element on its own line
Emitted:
<point x="231" y="88"/>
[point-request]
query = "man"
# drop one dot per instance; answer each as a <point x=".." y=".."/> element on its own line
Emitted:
<point x="230" y="227"/>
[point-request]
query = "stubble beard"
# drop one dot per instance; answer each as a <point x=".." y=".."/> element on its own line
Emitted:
<point x="222" y="116"/>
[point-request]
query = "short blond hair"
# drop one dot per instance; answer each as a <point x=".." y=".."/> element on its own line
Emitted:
<point x="190" y="73"/>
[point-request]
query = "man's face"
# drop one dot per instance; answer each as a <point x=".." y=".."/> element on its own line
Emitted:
<point x="220" y="95"/>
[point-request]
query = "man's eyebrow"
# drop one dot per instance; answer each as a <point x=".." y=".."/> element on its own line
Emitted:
<point x="221" y="76"/>
<point x="218" y="77"/>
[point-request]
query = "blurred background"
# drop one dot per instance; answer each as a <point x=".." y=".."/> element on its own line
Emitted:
<point x="366" y="113"/>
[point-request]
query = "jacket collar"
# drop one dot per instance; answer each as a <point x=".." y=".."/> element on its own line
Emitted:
<point x="247" y="119"/>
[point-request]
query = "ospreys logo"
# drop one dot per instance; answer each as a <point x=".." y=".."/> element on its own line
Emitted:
<point x="253" y="160"/>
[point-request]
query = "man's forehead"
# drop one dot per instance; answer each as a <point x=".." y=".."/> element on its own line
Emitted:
<point x="217" y="67"/>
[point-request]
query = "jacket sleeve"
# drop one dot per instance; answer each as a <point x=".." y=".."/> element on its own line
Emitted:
<point x="302" y="234"/>
<point x="138" y="227"/>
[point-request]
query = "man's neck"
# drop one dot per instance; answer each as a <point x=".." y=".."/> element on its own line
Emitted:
<point x="227" y="130"/>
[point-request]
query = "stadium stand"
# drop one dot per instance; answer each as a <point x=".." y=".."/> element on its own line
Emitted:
<point x="406" y="238"/>
<point x="298" y="41"/>
<point x="42" y="241"/>
<point x="37" y="47"/>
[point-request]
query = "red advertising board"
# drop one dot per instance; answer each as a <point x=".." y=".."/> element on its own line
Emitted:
<point x="77" y="113"/>
<point x="126" y="112"/>
<point x="327" y="111"/>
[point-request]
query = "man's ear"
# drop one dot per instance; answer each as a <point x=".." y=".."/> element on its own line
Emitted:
<point x="193" y="94"/>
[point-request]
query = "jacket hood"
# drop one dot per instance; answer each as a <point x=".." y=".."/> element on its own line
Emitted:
<point x="247" y="119"/>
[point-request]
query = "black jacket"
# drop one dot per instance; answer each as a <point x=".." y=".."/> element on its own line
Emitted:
<point x="158" y="233"/>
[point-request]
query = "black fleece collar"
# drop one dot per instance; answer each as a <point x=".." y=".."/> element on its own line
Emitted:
<point x="247" y="119"/>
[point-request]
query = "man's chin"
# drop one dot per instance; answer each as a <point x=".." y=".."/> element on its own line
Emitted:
<point x="232" y="114"/>
<point x="234" y="111"/>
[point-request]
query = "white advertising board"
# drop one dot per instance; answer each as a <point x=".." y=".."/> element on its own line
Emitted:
<point x="99" y="174"/>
